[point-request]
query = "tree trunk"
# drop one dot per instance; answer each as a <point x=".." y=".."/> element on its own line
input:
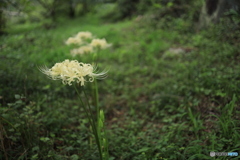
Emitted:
<point x="212" y="11"/>
<point x="2" y="19"/>
<point x="2" y="23"/>
<point x="71" y="13"/>
<point x="85" y="8"/>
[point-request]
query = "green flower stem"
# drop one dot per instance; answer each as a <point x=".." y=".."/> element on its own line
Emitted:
<point x="91" y="120"/>
<point x="98" y="110"/>
<point x="95" y="128"/>
<point x="96" y="98"/>
<point x="85" y="109"/>
<point x="100" y="120"/>
<point x="95" y="87"/>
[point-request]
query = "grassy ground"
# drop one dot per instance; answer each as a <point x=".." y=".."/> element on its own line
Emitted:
<point x="159" y="103"/>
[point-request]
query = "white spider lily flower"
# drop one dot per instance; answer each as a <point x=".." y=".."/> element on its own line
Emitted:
<point x="74" y="40"/>
<point x="82" y="50"/>
<point x="73" y="71"/>
<point x="84" y="35"/>
<point x="100" y="43"/>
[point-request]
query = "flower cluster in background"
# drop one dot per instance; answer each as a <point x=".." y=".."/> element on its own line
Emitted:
<point x="86" y="43"/>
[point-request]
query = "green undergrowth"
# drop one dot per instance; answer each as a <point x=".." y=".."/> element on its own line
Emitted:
<point x="169" y="94"/>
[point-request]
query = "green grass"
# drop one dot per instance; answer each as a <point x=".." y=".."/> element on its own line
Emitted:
<point x="158" y="105"/>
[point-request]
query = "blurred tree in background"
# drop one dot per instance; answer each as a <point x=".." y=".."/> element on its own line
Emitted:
<point x="2" y="18"/>
<point x="22" y="11"/>
<point x="210" y="11"/>
<point x="50" y="7"/>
